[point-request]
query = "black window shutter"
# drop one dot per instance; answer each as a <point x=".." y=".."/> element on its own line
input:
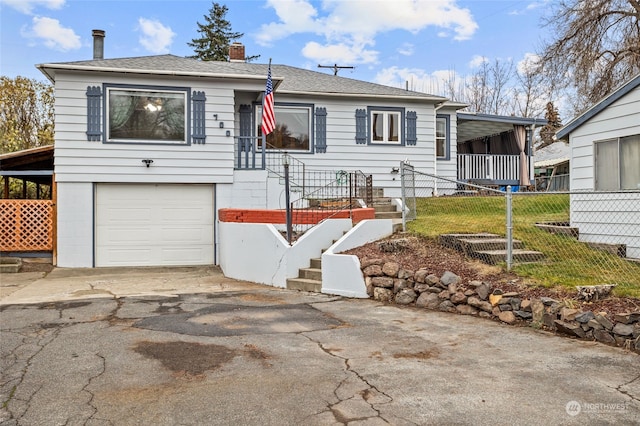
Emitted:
<point x="361" y="126"/>
<point x="198" y="134"/>
<point x="245" y="128"/>
<point x="94" y="113"/>
<point x="321" y="130"/>
<point x="412" y="136"/>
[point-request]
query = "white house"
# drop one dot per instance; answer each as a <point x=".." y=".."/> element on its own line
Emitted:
<point x="148" y="149"/>
<point x="604" y="146"/>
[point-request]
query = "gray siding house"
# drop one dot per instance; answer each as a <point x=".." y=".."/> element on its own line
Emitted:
<point x="149" y="148"/>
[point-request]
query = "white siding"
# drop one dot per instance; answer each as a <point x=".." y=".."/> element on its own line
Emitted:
<point x="378" y="160"/>
<point x="622" y="118"/>
<point x="448" y="168"/>
<point x="74" y="211"/>
<point x="78" y="160"/>
<point x="608" y="218"/>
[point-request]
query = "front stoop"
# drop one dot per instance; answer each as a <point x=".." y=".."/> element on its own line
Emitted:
<point x="309" y="279"/>
<point x="385" y="209"/>
<point x="489" y="248"/>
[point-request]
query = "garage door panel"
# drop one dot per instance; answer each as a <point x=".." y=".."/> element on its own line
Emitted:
<point x="154" y="224"/>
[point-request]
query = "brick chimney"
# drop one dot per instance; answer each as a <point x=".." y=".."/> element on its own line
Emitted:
<point x="98" y="44"/>
<point x="236" y="52"/>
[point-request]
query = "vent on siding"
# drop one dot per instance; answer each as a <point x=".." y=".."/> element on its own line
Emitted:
<point x="94" y="114"/>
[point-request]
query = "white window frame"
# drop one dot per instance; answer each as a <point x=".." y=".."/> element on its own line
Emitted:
<point x="618" y="165"/>
<point x="386" y="113"/>
<point x="446" y="144"/>
<point x="159" y="91"/>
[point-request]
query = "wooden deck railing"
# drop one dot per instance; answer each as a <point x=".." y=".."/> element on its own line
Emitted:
<point x="488" y="166"/>
<point x="26" y="225"/>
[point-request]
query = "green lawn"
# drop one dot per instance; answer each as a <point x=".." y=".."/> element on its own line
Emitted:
<point x="568" y="261"/>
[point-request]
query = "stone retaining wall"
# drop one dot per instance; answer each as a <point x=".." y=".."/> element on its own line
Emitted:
<point x="388" y="282"/>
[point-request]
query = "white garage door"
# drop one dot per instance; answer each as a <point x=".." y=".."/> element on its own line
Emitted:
<point x="152" y="225"/>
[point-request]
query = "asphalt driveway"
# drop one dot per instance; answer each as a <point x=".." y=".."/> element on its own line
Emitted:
<point x="188" y="346"/>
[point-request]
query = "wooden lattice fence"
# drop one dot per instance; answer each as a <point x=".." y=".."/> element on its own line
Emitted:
<point x="26" y="225"/>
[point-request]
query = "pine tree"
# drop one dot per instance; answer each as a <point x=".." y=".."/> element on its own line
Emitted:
<point x="215" y="36"/>
<point x="548" y="131"/>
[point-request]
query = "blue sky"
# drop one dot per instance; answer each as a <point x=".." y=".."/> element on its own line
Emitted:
<point x="388" y="42"/>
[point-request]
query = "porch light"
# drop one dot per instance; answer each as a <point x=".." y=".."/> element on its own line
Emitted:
<point x="285" y="159"/>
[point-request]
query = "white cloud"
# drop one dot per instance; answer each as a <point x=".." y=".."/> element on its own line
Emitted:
<point x="27" y="6"/>
<point x="155" y="37"/>
<point x="529" y="61"/>
<point x="53" y="34"/>
<point x="406" y="49"/>
<point x="340" y="52"/>
<point x="353" y="25"/>
<point x="477" y="60"/>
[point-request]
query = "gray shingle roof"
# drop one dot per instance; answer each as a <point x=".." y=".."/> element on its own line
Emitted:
<point x="294" y="80"/>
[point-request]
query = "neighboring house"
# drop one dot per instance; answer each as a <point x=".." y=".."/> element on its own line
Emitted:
<point x="604" y="146"/>
<point x="551" y="167"/>
<point x="148" y="149"/>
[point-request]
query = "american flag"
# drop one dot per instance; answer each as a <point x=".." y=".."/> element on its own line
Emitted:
<point x="268" y="115"/>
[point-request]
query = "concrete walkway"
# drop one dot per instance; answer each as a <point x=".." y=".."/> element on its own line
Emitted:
<point x="168" y="346"/>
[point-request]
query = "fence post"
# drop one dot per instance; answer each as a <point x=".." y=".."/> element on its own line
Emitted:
<point x="509" y="229"/>
<point x="404" y="198"/>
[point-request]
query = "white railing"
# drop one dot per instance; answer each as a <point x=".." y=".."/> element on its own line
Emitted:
<point x="488" y="167"/>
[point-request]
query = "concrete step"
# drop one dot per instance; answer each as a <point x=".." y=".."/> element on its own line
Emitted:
<point x="304" y="284"/>
<point x="384" y="208"/>
<point x="10" y="265"/>
<point x="388" y="215"/>
<point x="310" y="273"/>
<point x="453" y="240"/>
<point x="316" y="263"/>
<point x="494" y="257"/>
<point x="397" y="225"/>
<point x="482" y="244"/>
<point x="381" y="200"/>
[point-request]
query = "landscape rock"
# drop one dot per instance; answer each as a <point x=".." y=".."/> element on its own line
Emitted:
<point x="475" y="283"/>
<point x="447" y="306"/>
<point x="627" y="317"/>
<point x="449" y="278"/>
<point x="458" y="298"/>
<point x="469" y="292"/>
<point x="369" y="286"/>
<point x="444" y="295"/>
<point x="421" y="287"/>
<point x="382" y="294"/>
<point x="405" y="274"/>
<point x="386" y="282"/>
<point x="523" y="314"/>
<point x="494" y="299"/>
<point x="480" y="304"/>
<point x="406" y="296"/>
<point x="623" y="329"/>
<point x="595" y="325"/>
<point x="511" y="294"/>
<point x="483" y="314"/>
<point x="603" y="336"/>
<point x="604" y="321"/>
<point x="549" y="320"/>
<point x="515" y="303"/>
<point x="525" y="305"/>
<point x="453" y="288"/>
<point x="505" y="307"/>
<point x="636" y="329"/>
<point x="432" y="279"/>
<point x="508" y="317"/>
<point x="364" y="263"/>
<point x="585" y="317"/>
<point x="483" y="291"/>
<point x="466" y="310"/>
<point x="420" y="275"/>
<point x="570" y="329"/>
<point x="637" y="344"/>
<point x="372" y="270"/>
<point x="568" y="314"/>
<point x="537" y="309"/>
<point x="399" y="284"/>
<point x="594" y="292"/>
<point x="428" y="300"/>
<point x="391" y="269"/>
<point x="548" y="301"/>
<point x="393" y="246"/>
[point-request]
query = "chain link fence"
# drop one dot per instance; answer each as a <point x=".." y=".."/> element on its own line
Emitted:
<point x="551" y="238"/>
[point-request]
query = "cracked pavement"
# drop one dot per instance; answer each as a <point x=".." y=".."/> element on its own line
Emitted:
<point x="190" y="347"/>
